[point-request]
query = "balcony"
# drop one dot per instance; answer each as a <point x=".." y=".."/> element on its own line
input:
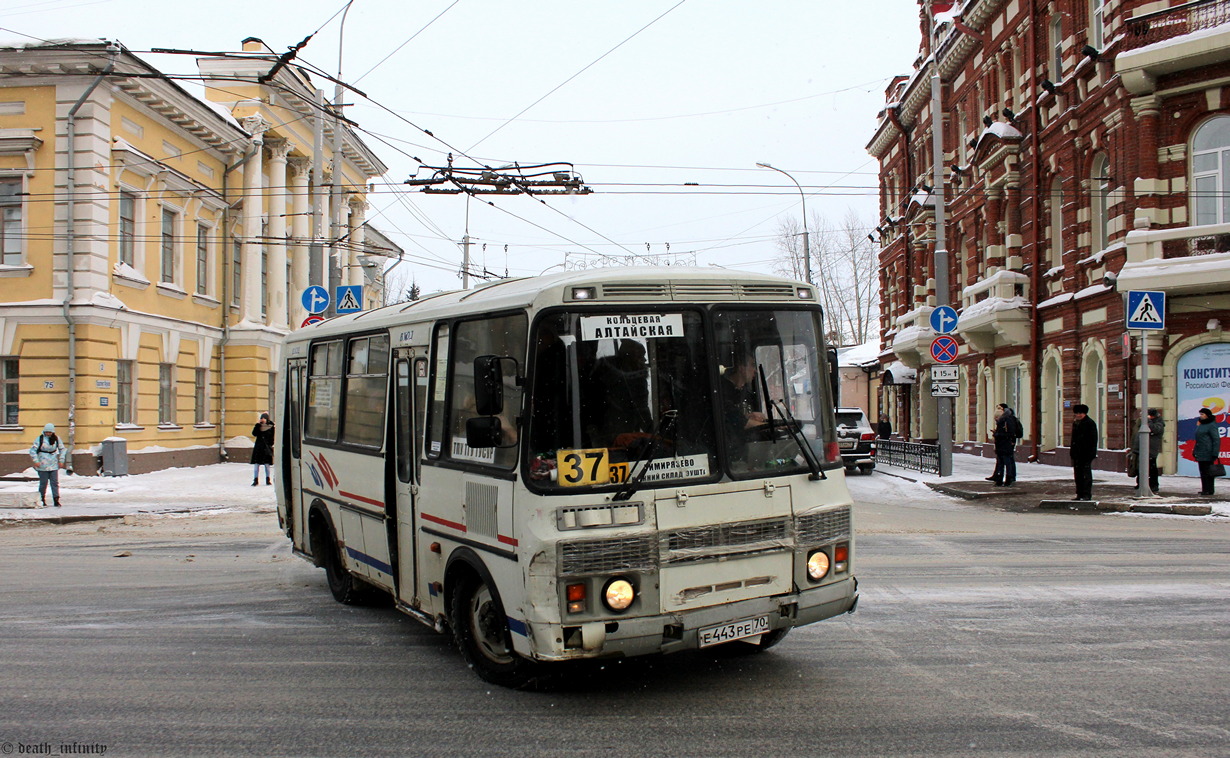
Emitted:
<point x="912" y="343"/>
<point x="1175" y="39"/>
<point x="1183" y="261"/>
<point x="995" y="312"/>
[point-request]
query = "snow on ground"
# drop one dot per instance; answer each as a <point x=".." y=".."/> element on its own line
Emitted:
<point x="220" y="487"/>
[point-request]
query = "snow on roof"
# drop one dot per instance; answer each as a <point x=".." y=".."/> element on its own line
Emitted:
<point x="859" y="355"/>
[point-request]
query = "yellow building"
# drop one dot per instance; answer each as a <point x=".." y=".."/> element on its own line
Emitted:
<point x="154" y="246"/>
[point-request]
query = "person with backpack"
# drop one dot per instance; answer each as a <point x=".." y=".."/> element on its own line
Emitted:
<point x="1007" y="431"/>
<point x="48" y="454"/>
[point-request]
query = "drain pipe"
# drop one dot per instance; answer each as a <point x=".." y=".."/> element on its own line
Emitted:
<point x="228" y="265"/>
<point x="70" y="234"/>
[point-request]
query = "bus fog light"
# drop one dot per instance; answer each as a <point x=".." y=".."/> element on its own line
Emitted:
<point x="841" y="557"/>
<point x="619" y="594"/>
<point x="817" y="565"/>
<point x="576" y="598"/>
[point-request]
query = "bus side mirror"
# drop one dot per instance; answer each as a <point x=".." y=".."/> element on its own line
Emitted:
<point x="834" y="375"/>
<point x="488" y="387"/>
<point x="484" y="431"/>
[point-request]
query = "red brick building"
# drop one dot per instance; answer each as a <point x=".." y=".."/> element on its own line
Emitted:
<point x="1086" y="153"/>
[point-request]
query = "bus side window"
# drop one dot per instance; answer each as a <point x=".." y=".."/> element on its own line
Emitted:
<point x="403" y="411"/>
<point x="420" y="411"/>
<point x="439" y="391"/>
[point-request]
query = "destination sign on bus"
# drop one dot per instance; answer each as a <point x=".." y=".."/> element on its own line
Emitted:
<point x="633" y="326"/>
<point x="593" y="466"/>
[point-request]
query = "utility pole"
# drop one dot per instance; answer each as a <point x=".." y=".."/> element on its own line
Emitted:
<point x="944" y="421"/>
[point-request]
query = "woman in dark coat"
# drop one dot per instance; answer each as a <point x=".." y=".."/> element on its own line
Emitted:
<point x="1208" y="447"/>
<point x="262" y="451"/>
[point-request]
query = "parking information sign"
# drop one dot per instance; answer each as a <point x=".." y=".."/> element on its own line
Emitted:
<point x="945" y="373"/>
<point x="945" y="389"/>
<point x="1146" y="310"/>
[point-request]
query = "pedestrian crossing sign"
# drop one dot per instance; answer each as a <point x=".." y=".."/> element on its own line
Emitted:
<point x="1146" y="310"/>
<point x="349" y="299"/>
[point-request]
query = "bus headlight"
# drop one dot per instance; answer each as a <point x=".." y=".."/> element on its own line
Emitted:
<point x="619" y="594"/>
<point x="817" y="565"/>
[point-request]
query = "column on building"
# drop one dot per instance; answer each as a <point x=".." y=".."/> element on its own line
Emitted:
<point x="253" y="213"/>
<point x="279" y="150"/>
<point x="300" y="232"/>
<point x="995" y="237"/>
<point x="356" y="238"/>
<point x="1149" y="185"/>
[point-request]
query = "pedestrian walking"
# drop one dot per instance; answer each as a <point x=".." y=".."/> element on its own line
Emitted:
<point x="884" y="429"/>
<point x="1083" y="448"/>
<point x="1006" y="432"/>
<point x="262" y="451"/>
<point x="1207" y="450"/>
<point x="1156" y="427"/>
<point x="48" y="454"/>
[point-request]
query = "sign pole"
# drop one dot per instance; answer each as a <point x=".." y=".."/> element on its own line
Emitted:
<point x="944" y="420"/>
<point x="1142" y="443"/>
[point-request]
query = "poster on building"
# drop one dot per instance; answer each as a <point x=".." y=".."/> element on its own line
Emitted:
<point x="1204" y="382"/>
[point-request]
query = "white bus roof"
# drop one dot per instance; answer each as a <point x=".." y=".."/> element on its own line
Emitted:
<point x="612" y="286"/>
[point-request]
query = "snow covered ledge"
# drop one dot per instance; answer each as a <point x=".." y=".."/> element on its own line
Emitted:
<point x="996" y="312"/>
<point x="1147" y="268"/>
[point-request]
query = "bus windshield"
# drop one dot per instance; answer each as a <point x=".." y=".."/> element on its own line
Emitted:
<point x="632" y="398"/>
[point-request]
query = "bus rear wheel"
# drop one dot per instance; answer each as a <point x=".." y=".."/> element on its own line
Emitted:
<point x="480" y="628"/>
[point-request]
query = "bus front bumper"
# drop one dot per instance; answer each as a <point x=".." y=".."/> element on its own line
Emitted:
<point x="673" y="632"/>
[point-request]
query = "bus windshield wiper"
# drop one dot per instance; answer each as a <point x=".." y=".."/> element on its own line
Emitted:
<point x="646" y="457"/>
<point x="796" y="433"/>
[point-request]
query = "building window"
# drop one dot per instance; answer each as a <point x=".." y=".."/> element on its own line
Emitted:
<point x="123" y="392"/>
<point x="1093" y="390"/>
<point x="273" y="392"/>
<point x="1056" y="41"/>
<point x="236" y="269"/>
<point x="1211" y="171"/>
<point x="1010" y="387"/>
<point x="166" y="394"/>
<point x="1100" y="202"/>
<point x="1098" y="13"/>
<point x="11" y="251"/>
<point x="200" y="395"/>
<point x="202" y="259"/>
<point x="1056" y="201"/>
<point x="264" y="279"/>
<point x="167" y="246"/>
<point x="128" y="228"/>
<point x="10" y="377"/>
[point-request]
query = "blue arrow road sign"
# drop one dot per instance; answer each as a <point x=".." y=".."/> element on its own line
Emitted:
<point x="944" y="319"/>
<point x="350" y="298"/>
<point x="315" y="299"/>
<point x="1146" y="310"/>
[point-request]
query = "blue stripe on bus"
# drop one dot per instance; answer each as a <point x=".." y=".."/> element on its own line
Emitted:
<point x="370" y="561"/>
<point x="517" y="626"/>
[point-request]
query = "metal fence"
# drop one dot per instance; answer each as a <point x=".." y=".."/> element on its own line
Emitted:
<point x="1175" y="22"/>
<point x="916" y="456"/>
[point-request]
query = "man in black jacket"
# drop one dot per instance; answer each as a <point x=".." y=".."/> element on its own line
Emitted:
<point x="1083" y="449"/>
<point x="1007" y="431"/>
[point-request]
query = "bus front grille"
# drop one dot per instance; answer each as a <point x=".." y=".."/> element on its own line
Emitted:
<point x="827" y="526"/>
<point x="718" y="540"/>
<point x="605" y="556"/>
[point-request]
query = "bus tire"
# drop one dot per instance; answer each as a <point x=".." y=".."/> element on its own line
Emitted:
<point x="480" y="629"/>
<point x="343" y="585"/>
<point x="744" y="647"/>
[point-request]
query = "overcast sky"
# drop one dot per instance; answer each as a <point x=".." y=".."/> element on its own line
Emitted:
<point x="642" y="96"/>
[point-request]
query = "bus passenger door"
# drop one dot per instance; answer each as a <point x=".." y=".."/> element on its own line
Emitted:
<point x="410" y="388"/>
<point x="292" y="452"/>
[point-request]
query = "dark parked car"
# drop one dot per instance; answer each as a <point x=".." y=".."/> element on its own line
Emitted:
<point x="856" y="439"/>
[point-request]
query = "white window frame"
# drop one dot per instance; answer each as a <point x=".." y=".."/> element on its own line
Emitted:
<point x="13" y="245"/>
<point x="201" y="396"/>
<point x="10" y="410"/>
<point x="1056" y="200"/>
<point x="204" y="258"/>
<point x="125" y="408"/>
<point x="169" y="247"/>
<point x="166" y="395"/>
<point x="1056" y="45"/>
<point x="1210" y="203"/>
<point x="1098" y="12"/>
<point x="128" y="237"/>
<point x="1099" y="203"/>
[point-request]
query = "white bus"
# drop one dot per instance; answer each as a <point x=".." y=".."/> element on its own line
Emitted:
<point x="604" y="463"/>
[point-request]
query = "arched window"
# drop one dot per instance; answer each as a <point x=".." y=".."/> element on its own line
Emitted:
<point x="1100" y="201"/>
<point x="1093" y="389"/>
<point x="1056" y="200"/>
<point x="1052" y="403"/>
<point x="1211" y="172"/>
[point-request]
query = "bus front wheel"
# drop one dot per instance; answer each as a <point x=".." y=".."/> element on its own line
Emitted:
<point x="342" y="584"/>
<point x="481" y="631"/>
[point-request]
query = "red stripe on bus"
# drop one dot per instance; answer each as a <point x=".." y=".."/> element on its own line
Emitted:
<point x="360" y="498"/>
<point x="444" y="522"/>
<point x="507" y="540"/>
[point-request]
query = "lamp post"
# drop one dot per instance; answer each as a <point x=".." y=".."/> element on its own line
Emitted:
<point x="803" y="197"/>
<point x="337" y="191"/>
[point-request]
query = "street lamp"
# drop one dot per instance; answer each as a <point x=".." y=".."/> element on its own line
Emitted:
<point x="806" y="249"/>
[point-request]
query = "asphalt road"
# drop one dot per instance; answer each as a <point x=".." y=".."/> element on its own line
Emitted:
<point x="979" y="632"/>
